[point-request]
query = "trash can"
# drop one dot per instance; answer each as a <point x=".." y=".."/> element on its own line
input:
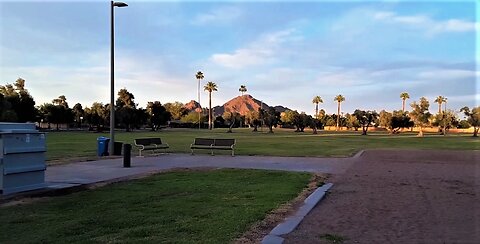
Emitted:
<point x="102" y="146"/>
<point x="117" y="148"/>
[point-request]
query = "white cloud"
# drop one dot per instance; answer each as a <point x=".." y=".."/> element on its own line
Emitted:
<point x="221" y="15"/>
<point x="431" y="25"/>
<point x="261" y="51"/>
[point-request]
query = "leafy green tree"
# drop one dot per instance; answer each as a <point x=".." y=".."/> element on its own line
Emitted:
<point x="97" y="115"/>
<point x="242" y="89"/>
<point x="192" y="117"/>
<point x="252" y="118"/>
<point x="404" y="96"/>
<point x="352" y="122"/>
<point x="78" y="113"/>
<point x="17" y="103"/>
<point x="316" y="100"/>
<point x="271" y="118"/>
<point x="158" y="115"/>
<point x="420" y="114"/>
<point x="231" y="118"/>
<point x="301" y="120"/>
<point x="395" y="121"/>
<point x="473" y="118"/>
<point x="125" y="109"/>
<point x="366" y="119"/>
<point x="463" y="124"/>
<point x="176" y="109"/>
<point x="61" y="100"/>
<point x="287" y="118"/>
<point x="339" y="99"/>
<point x="210" y="87"/>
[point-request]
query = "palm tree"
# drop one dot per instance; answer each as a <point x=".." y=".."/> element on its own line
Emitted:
<point x="210" y="87"/>
<point x="440" y="100"/>
<point x="404" y="96"/>
<point x="199" y="76"/>
<point x="317" y="100"/>
<point x="339" y="98"/>
<point x="242" y="89"/>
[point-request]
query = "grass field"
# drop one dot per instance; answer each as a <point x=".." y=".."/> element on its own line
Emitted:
<point x="177" y="207"/>
<point x="68" y="145"/>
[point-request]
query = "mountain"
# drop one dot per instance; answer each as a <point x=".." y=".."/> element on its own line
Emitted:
<point x="243" y="104"/>
<point x="191" y="106"/>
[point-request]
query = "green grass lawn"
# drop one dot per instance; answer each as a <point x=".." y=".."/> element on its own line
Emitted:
<point x="64" y="145"/>
<point x="178" y="207"/>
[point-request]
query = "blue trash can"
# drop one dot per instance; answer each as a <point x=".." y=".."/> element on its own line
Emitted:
<point x="102" y="146"/>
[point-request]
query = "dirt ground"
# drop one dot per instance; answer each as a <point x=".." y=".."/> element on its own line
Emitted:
<point x="402" y="196"/>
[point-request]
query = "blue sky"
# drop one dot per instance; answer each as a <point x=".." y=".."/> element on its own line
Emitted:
<point x="284" y="52"/>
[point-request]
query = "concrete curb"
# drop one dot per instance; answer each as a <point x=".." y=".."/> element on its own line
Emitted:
<point x="290" y="223"/>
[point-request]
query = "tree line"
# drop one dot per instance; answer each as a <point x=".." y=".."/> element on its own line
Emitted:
<point x="17" y="105"/>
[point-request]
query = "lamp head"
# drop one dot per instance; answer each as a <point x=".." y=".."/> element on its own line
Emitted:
<point x="119" y="4"/>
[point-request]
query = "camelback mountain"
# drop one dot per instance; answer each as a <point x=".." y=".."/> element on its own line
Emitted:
<point x="243" y="104"/>
<point x="191" y="106"/>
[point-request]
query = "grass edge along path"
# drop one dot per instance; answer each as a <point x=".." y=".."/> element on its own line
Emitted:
<point x="198" y="206"/>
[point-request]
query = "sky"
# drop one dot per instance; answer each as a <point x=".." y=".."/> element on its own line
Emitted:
<point x="284" y="52"/>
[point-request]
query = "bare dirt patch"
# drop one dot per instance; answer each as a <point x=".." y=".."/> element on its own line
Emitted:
<point x="407" y="196"/>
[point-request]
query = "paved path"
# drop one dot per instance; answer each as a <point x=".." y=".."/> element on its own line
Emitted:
<point x="73" y="174"/>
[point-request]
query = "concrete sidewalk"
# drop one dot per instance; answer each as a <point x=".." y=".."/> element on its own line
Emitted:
<point x="74" y="174"/>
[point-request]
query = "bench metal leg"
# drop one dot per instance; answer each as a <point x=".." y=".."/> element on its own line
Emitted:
<point x="212" y="152"/>
<point x="233" y="153"/>
<point x="140" y="152"/>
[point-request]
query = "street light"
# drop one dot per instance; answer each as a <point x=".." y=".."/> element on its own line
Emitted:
<point x="112" y="89"/>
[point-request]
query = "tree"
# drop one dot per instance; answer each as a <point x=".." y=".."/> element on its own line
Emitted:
<point x="271" y="118"/>
<point x="473" y="118"/>
<point x="420" y="114"/>
<point x="395" y="121"/>
<point x="210" y="87"/>
<point x="231" y="118"/>
<point x="125" y="109"/>
<point x="252" y="118"/>
<point x="199" y="76"/>
<point x="404" y="96"/>
<point x="17" y="103"/>
<point x="158" y="115"/>
<point x="301" y="120"/>
<point x="287" y="118"/>
<point x="242" y="89"/>
<point x="339" y="98"/>
<point x="440" y="100"/>
<point x="78" y="113"/>
<point x="316" y="100"/>
<point x="176" y="109"/>
<point x="192" y="118"/>
<point x="97" y="115"/>
<point x="352" y="122"/>
<point x="61" y="100"/>
<point x="365" y="119"/>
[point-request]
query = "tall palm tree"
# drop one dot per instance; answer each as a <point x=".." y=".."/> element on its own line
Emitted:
<point x="199" y="76"/>
<point x="440" y="100"/>
<point x="404" y="96"/>
<point x="317" y="100"/>
<point x="339" y="98"/>
<point x="242" y="89"/>
<point x="210" y="87"/>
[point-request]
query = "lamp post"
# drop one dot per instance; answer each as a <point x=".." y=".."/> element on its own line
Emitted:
<point x="112" y="89"/>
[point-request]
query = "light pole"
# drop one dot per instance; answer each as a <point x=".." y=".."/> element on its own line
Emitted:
<point x="112" y="89"/>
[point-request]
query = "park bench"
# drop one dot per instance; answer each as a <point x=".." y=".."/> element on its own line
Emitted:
<point x="150" y="144"/>
<point x="213" y="144"/>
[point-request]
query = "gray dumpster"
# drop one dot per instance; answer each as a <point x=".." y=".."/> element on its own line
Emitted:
<point x="22" y="158"/>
